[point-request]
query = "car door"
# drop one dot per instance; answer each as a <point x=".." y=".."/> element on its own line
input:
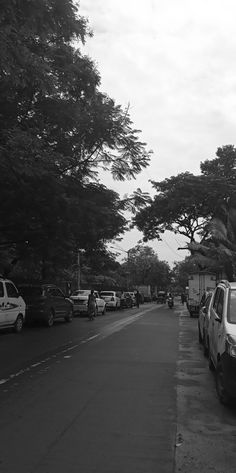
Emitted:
<point x="217" y="325"/>
<point x="12" y="303"/>
<point x="59" y="302"/>
<point x="2" y="304"/>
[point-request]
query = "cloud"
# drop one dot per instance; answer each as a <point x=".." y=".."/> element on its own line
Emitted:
<point x="174" y="62"/>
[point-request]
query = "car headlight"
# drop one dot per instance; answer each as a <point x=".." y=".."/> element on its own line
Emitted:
<point x="230" y="346"/>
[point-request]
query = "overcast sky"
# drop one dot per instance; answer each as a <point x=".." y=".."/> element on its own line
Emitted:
<point x="174" y="62"/>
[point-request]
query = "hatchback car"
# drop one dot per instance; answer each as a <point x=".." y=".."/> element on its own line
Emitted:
<point x="46" y="303"/>
<point x="12" y="306"/>
<point x="80" y="302"/>
<point x="222" y="340"/>
<point x="112" y="299"/>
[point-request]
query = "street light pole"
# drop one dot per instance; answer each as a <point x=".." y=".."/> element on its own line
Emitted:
<point x="78" y="270"/>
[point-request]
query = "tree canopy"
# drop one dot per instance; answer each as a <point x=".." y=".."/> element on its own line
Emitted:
<point x="202" y="208"/>
<point x="143" y="267"/>
<point x="56" y="130"/>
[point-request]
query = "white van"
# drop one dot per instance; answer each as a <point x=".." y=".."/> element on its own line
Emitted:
<point x="222" y="340"/>
<point x="12" y="306"/>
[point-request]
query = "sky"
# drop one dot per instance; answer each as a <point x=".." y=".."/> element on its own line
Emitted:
<point x="173" y="63"/>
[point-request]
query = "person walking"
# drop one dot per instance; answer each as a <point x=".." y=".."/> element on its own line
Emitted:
<point x="91" y="305"/>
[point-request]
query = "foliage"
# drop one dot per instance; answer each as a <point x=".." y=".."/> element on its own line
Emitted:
<point x="201" y="208"/>
<point x="181" y="271"/>
<point x="57" y="129"/>
<point x="143" y="267"/>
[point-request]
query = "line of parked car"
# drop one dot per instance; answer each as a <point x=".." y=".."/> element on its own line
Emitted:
<point x="28" y="303"/>
<point x="217" y="333"/>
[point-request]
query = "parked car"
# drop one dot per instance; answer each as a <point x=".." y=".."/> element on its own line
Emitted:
<point x="45" y="303"/>
<point x="126" y="301"/>
<point x="203" y="320"/>
<point x="112" y="299"/>
<point x="161" y="297"/>
<point x="12" y="306"/>
<point x="131" y="295"/>
<point x="222" y="340"/>
<point x="80" y="301"/>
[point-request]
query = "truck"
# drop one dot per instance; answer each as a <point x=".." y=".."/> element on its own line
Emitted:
<point x="198" y="284"/>
<point x="145" y="292"/>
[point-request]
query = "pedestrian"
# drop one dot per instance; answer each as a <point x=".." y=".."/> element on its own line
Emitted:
<point x="137" y="297"/>
<point x="183" y="298"/>
<point x="91" y="305"/>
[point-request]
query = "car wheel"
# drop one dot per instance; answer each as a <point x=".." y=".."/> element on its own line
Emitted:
<point x="18" y="324"/>
<point x="69" y="315"/>
<point x="222" y="393"/>
<point x="50" y="319"/>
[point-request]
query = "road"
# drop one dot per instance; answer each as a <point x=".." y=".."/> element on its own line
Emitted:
<point x="128" y="392"/>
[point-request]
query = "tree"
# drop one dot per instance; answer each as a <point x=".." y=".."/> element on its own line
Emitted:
<point x="180" y="273"/>
<point x="57" y="129"/>
<point x="190" y="205"/>
<point x="144" y="268"/>
<point x="49" y="95"/>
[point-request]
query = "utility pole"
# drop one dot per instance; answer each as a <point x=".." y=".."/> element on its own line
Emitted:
<point x="78" y="270"/>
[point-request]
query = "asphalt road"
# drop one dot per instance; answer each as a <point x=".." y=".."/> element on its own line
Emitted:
<point x="128" y="392"/>
<point x="91" y="396"/>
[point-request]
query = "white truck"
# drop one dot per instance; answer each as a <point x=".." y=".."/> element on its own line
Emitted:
<point x="145" y="292"/>
<point x="198" y="283"/>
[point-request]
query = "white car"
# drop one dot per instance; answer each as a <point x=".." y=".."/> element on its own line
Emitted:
<point x="12" y="306"/>
<point x="112" y="299"/>
<point x="222" y="340"/>
<point x="80" y="302"/>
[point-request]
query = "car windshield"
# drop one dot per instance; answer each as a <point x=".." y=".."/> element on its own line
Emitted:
<point x="81" y="292"/>
<point x="232" y="307"/>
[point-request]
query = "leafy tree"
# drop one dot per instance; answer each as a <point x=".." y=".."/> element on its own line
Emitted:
<point x="193" y="206"/>
<point x="57" y="129"/>
<point x="144" y="268"/>
<point x="180" y="273"/>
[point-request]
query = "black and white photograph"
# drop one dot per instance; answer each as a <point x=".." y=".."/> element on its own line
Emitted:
<point x="117" y="236"/>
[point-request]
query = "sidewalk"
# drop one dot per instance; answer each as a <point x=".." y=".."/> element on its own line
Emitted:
<point x="206" y="430"/>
